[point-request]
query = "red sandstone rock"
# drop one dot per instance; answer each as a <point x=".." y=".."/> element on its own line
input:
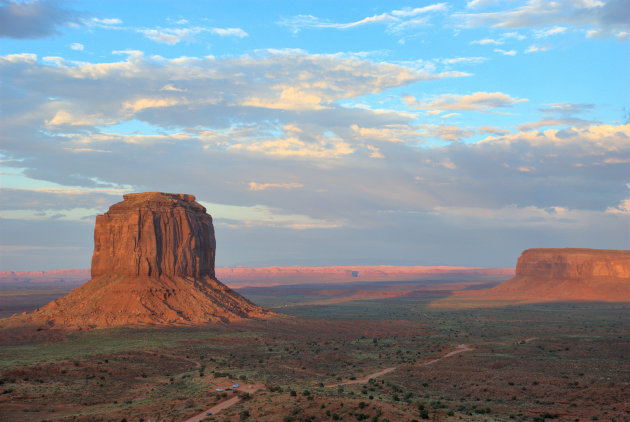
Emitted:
<point x="153" y="263"/>
<point x="544" y="275"/>
<point x="153" y="233"/>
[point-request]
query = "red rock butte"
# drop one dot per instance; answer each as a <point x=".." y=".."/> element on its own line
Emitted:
<point x="153" y="264"/>
<point x="569" y="274"/>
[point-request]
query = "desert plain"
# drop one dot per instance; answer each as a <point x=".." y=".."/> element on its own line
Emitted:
<point x="336" y="350"/>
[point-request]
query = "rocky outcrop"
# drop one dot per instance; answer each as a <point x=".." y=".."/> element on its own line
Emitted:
<point x="153" y="263"/>
<point x="547" y="275"/>
<point x="573" y="263"/>
<point x="569" y="274"/>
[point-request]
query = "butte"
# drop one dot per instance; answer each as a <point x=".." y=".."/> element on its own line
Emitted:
<point x="153" y="264"/>
<point x="555" y="275"/>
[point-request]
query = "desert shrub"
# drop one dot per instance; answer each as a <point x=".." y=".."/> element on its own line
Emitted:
<point x="244" y="415"/>
<point x="438" y="405"/>
<point x="293" y="393"/>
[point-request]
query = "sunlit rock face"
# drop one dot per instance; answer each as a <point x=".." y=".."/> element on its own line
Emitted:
<point x="569" y="274"/>
<point x="154" y="234"/>
<point x="573" y="263"/>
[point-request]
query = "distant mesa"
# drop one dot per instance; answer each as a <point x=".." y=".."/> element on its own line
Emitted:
<point x="551" y="275"/>
<point x="153" y="264"/>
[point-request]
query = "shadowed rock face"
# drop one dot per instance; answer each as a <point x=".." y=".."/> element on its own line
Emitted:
<point x="154" y="234"/>
<point x="153" y="264"/>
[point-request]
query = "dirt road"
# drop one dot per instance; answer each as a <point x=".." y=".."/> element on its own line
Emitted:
<point x="249" y="388"/>
<point x="460" y="349"/>
<point x="364" y="379"/>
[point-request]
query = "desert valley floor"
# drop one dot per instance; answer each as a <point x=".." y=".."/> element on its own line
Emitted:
<point x="345" y="355"/>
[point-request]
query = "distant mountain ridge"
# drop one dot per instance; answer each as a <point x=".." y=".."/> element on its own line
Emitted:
<point x="255" y="276"/>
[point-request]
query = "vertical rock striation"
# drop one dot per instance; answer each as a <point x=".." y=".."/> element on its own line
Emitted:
<point x="154" y="234"/>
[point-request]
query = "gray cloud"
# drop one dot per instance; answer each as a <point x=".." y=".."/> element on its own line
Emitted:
<point x="370" y="183"/>
<point x="34" y="19"/>
<point x="601" y="18"/>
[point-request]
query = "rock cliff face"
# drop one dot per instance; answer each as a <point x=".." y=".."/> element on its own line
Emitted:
<point x="568" y="274"/>
<point x="573" y="263"/>
<point x="154" y="234"/>
<point x="153" y="264"/>
<point x="554" y="275"/>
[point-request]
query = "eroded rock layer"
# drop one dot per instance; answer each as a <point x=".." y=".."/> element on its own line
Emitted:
<point x="153" y="263"/>
<point x="544" y="275"/>
<point x="154" y="234"/>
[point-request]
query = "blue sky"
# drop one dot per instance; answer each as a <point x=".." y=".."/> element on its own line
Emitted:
<point x="319" y="133"/>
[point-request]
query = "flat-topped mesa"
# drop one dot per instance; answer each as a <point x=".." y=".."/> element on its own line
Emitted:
<point x="154" y="234"/>
<point x="573" y="263"/>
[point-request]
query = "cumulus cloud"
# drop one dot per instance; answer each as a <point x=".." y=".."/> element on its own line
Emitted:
<point x="77" y="46"/>
<point x="34" y="19"/>
<point x="601" y="18"/>
<point x="371" y="174"/>
<point x="479" y="101"/>
<point x="623" y="208"/>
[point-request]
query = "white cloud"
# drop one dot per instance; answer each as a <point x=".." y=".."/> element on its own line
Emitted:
<point x="538" y="48"/>
<point x="106" y="21"/>
<point x="479" y="101"/>
<point x="77" y="46"/>
<point x="487" y="41"/>
<point x="171" y="36"/>
<point x="623" y="208"/>
<point x="543" y="33"/>
<point x="255" y="186"/>
<point x="505" y="52"/>
<point x="465" y="60"/>
<point x="229" y="32"/>
<point x="396" y="21"/>
<point x="478" y="4"/>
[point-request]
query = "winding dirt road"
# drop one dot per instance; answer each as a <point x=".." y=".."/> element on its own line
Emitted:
<point x="460" y="349"/>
